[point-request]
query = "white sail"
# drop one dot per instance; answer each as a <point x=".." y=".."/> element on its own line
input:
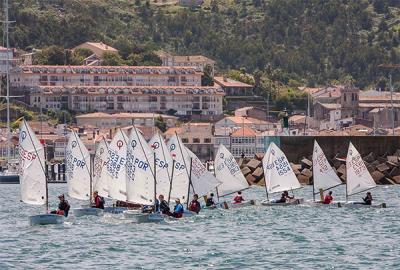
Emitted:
<point x="323" y="174"/>
<point x="228" y="172"/>
<point x="139" y="170"/>
<point x="99" y="169"/>
<point x="31" y="162"/>
<point x="77" y="162"/>
<point x="116" y="167"/>
<point x="202" y="180"/>
<point x="163" y="164"/>
<point x="180" y="177"/>
<point x="279" y="175"/>
<point x="358" y="177"/>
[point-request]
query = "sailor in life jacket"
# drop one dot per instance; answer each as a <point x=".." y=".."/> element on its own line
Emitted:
<point x="63" y="207"/>
<point x="210" y="201"/>
<point x="195" y="205"/>
<point x="238" y="198"/>
<point x="98" y="200"/>
<point x="328" y="198"/>
<point x="178" y="209"/>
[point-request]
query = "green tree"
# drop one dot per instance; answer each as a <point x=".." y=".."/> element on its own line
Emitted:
<point x="52" y="55"/>
<point x="207" y="79"/>
<point x="112" y="59"/>
<point x="160" y="123"/>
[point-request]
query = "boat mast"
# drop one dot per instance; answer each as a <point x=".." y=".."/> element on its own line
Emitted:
<point x="171" y="179"/>
<point x="190" y="182"/>
<point x="155" y="183"/>
<point x="6" y="30"/>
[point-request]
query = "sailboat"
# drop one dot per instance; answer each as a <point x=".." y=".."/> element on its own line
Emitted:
<point x="79" y="175"/>
<point x="140" y="177"/>
<point x="358" y="178"/>
<point x="164" y="165"/>
<point x="202" y="180"/>
<point x="99" y="169"/>
<point x="34" y="187"/>
<point x="228" y="172"/>
<point x="181" y="168"/>
<point x="115" y="175"/>
<point x="278" y="175"/>
<point x="324" y="176"/>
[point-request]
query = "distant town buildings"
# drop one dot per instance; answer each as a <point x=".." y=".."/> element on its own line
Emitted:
<point x="234" y="88"/>
<point x="181" y="100"/>
<point x="106" y="120"/>
<point x="98" y="49"/>
<point x="11" y="55"/>
<point x="197" y="61"/>
<point x="36" y="75"/>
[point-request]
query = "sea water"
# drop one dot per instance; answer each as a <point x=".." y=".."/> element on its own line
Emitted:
<point x="301" y="237"/>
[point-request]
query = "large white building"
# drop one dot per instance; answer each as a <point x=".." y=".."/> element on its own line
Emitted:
<point x="184" y="100"/>
<point x="33" y="76"/>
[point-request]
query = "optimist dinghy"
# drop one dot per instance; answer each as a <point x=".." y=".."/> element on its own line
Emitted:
<point x="79" y="175"/>
<point x="358" y="179"/>
<point x="228" y="172"/>
<point x="34" y="188"/>
<point x="279" y="176"/>
<point x="324" y="176"/>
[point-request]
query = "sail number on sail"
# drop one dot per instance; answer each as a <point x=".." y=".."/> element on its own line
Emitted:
<point x="230" y="164"/>
<point x="281" y="165"/>
<point x="322" y="163"/>
<point x="114" y="163"/>
<point x="357" y="164"/>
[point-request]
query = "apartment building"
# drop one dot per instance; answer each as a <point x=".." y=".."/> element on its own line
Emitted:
<point x="197" y="61"/>
<point x="33" y="76"/>
<point x="9" y="55"/>
<point x="183" y="100"/>
<point x="106" y="120"/>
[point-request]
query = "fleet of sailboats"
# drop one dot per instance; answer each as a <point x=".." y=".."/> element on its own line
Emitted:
<point x="133" y="170"/>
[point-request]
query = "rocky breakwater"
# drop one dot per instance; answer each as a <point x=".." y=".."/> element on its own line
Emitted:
<point x="385" y="169"/>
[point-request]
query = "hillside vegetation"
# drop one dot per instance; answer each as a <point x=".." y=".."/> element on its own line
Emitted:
<point x="278" y="41"/>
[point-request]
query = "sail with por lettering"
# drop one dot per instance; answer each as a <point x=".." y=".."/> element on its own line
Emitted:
<point x="99" y="169"/>
<point x="202" y="180"/>
<point x="77" y="162"/>
<point x="116" y="166"/>
<point x="323" y="173"/>
<point x="139" y="170"/>
<point x="279" y="175"/>
<point x="163" y="164"/>
<point x="31" y="171"/>
<point x="358" y="177"/>
<point x="180" y="177"/>
<point x="228" y="172"/>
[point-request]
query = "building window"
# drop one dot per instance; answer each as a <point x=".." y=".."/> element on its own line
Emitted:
<point x="196" y="140"/>
<point x="185" y="140"/>
<point x="207" y="140"/>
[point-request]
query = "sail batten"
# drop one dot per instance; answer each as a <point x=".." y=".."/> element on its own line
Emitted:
<point x="77" y="159"/>
<point x="31" y="162"/>
<point x="228" y="172"/>
<point x="358" y="177"/>
<point x="278" y="173"/>
<point x="116" y="167"/>
<point x="323" y="174"/>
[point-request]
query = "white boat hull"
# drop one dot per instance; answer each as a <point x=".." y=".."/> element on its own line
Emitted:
<point x="138" y="217"/>
<point x="46" y="219"/>
<point x="292" y="202"/>
<point x="87" y="211"/>
<point x="361" y="205"/>
<point x="238" y="205"/>
<point x="321" y="204"/>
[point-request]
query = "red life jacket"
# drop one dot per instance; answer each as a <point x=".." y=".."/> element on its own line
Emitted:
<point x="238" y="199"/>
<point x="179" y="215"/>
<point x="60" y="212"/>
<point x="328" y="199"/>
